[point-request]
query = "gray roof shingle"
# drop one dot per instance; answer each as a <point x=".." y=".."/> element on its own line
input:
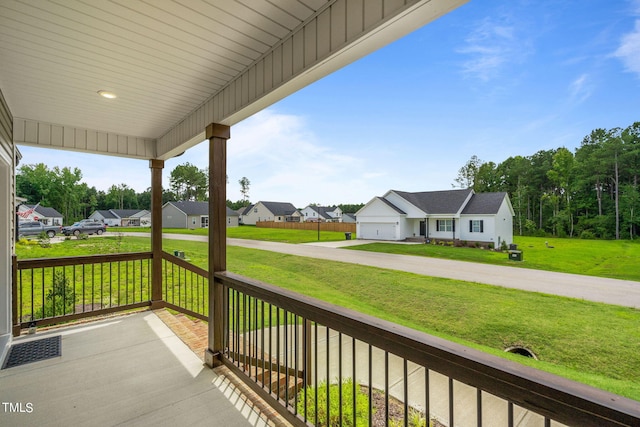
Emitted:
<point x="484" y="204"/>
<point x="280" y="208"/>
<point x="437" y="202"/>
<point x="198" y="208"/>
<point x="46" y="212"/>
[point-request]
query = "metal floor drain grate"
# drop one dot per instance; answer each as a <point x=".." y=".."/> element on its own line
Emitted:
<point x="33" y="351"/>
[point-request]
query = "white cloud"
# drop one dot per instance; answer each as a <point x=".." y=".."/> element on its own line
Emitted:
<point x="491" y="46"/>
<point x="580" y="89"/>
<point x="629" y="50"/>
<point x="287" y="162"/>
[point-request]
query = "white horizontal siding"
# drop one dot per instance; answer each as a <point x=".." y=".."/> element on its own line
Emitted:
<point x="47" y="135"/>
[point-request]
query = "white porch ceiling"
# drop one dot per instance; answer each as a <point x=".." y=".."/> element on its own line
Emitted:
<point x="176" y="65"/>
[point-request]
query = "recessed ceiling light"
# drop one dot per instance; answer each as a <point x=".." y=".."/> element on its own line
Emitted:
<point x="107" y="94"/>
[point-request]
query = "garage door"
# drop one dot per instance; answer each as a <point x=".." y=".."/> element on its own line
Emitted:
<point x="377" y="231"/>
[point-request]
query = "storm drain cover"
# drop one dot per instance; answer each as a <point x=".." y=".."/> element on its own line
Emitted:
<point x="33" y="351"/>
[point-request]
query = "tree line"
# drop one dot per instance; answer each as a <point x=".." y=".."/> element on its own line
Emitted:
<point x="592" y="192"/>
<point x="63" y="190"/>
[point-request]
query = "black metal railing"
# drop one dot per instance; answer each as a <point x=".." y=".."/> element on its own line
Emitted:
<point x="54" y="290"/>
<point x="320" y="364"/>
<point x="185" y="287"/>
<point x="317" y="363"/>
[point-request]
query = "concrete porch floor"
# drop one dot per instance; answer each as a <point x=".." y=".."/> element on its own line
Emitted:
<point x="125" y="370"/>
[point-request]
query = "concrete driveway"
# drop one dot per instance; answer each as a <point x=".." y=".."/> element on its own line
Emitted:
<point x="609" y="291"/>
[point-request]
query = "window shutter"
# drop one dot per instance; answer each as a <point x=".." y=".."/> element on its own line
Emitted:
<point x="453" y="224"/>
<point x="437" y="224"/>
<point x="482" y="225"/>
<point x="470" y="226"/>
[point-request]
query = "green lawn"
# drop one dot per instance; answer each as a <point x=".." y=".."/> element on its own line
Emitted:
<point x="589" y="342"/>
<point x="254" y="233"/>
<point x="602" y="258"/>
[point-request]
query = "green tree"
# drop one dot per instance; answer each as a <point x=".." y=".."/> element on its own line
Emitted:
<point x="188" y="182"/>
<point x="630" y="205"/>
<point x="467" y="173"/>
<point x="244" y="190"/>
<point x="561" y="175"/>
<point x="121" y="197"/>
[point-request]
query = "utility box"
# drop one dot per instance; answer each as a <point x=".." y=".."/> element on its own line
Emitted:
<point x="515" y="255"/>
<point x="347" y="236"/>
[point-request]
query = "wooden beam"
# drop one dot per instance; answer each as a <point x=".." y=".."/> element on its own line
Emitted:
<point x="217" y="135"/>
<point x="156" y="167"/>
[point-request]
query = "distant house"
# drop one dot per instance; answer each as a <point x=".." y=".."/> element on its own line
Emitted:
<point x="189" y="214"/>
<point x="47" y="216"/>
<point x="445" y="215"/>
<point x="349" y="217"/>
<point x="270" y="211"/>
<point x="321" y="213"/>
<point x="123" y="217"/>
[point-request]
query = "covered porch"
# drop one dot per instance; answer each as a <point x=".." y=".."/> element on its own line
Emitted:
<point x="184" y="73"/>
<point x="123" y="370"/>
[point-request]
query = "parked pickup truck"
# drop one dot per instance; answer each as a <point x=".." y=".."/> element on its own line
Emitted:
<point x="86" y="226"/>
<point x="34" y="228"/>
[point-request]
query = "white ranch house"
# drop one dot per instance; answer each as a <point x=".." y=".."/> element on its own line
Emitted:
<point x="123" y="217"/>
<point x="321" y="213"/>
<point x="47" y="216"/>
<point x="270" y="211"/>
<point x="443" y="215"/>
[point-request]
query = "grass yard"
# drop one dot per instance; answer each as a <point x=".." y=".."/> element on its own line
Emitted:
<point x="254" y="233"/>
<point x="589" y="342"/>
<point x="602" y="258"/>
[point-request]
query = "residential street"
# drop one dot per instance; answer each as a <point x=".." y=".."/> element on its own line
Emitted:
<point x="609" y="291"/>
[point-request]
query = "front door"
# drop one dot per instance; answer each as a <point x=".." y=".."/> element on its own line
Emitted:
<point x="423" y="228"/>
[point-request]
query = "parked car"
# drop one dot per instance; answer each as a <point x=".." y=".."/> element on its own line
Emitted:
<point x="34" y="228"/>
<point x="86" y="226"/>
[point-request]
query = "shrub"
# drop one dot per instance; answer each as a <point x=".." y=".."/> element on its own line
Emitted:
<point x="60" y="299"/>
<point x="362" y="402"/>
<point x="82" y="236"/>
<point x="43" y="240"/>
<point x="586" y="234"/>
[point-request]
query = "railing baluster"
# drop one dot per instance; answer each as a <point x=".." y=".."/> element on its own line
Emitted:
<point x="386" y="387"/>
<point x="83" y="289"/>
<point x="405" y="392"/>
<point x="286" y="356"/>
<point x="354" y="393"/>
<point x="340" y="400"/>
<point x="427" y="400"/>
<point x="327" y="378"/>
<point x="479" y="406"/>
<point x="510" y="414"/>
<point x="451" y="420"/>
<point x="370" y="385"/>
<point x="119" y="283"/>
<point x="278" y="350"/>
<point x="315" y="376"/>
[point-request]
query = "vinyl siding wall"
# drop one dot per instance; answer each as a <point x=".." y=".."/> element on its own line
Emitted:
<point x="7" y="223"/>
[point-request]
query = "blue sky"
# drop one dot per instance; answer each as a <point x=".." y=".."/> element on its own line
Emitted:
<point x="493" y="79"/>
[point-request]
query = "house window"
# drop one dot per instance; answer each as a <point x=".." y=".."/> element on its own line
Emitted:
<point x="255" y="210"/>
<point x="444" y="225"/>
<point x="476" y="226"/>
<point x="204" y="222"/>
